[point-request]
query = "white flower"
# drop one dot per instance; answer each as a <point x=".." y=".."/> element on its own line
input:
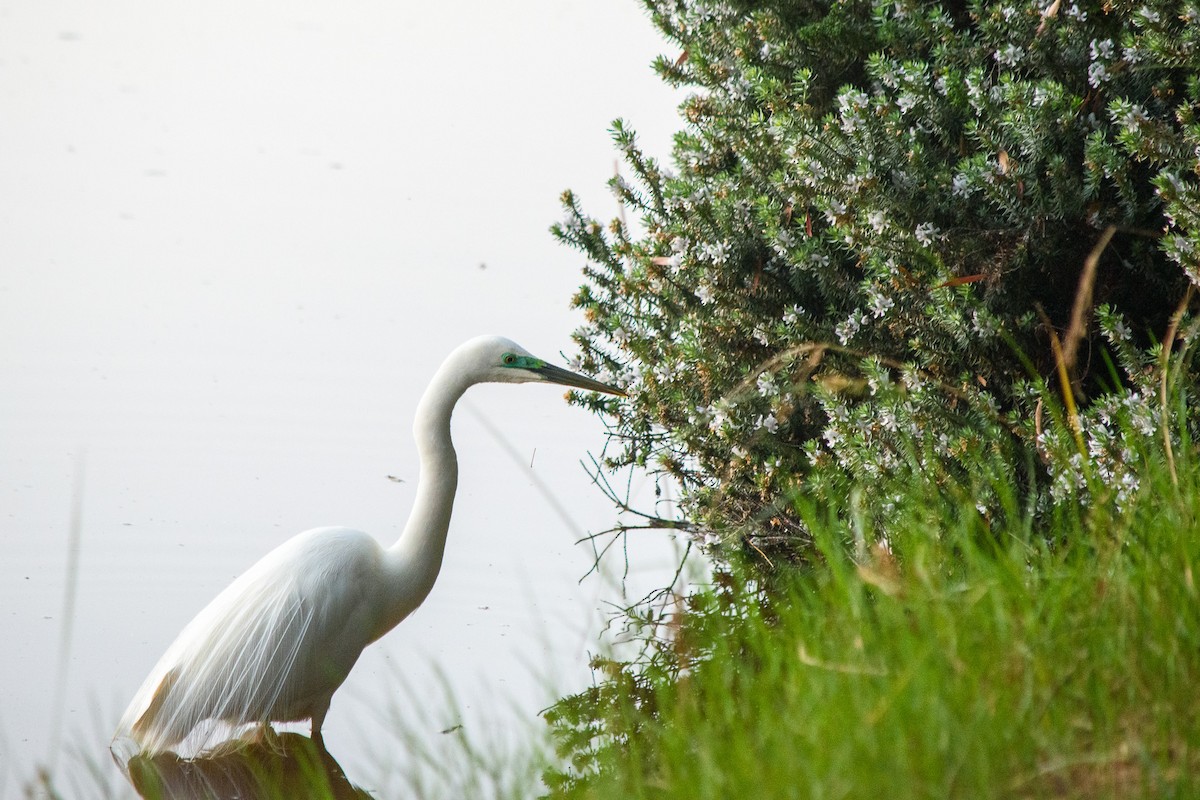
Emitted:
<point x="572" y="223"/>
<point x="1132" y="118"/>
<point x="879" y="302"/>
<point x="833" y="437"/>
<point x="1010" y="56"/>
<point x="1101" y="49"/>
<point x="705" y="294"/>
<point x="926" y="233"/>
<point x="718" y="252"/>
<point x="1181" y="244"/>
<point x="846" y="330"/>
<point x="768" y="423"/>
<point x="850" y="106"/>
<point x="785" y="239"/>
<point x="876" y="221"/>
<point x="813" y="172"/>
<point x="836" y="209"/>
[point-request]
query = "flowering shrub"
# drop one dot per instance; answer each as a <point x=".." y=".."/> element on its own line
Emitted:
<point x="872" y="252"/>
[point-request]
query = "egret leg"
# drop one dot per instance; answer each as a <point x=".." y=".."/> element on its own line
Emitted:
<point x="318" y="719"/>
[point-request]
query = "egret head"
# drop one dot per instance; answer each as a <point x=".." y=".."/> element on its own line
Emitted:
<point x="504" y="361"/>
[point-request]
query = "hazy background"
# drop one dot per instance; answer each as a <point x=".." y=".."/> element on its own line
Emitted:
<point x="236" y="238"/>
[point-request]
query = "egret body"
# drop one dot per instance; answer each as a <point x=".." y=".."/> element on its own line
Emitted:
<point x="277" y="643"/>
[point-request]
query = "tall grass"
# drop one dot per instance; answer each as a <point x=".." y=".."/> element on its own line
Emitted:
<point x="1049" y="655"/>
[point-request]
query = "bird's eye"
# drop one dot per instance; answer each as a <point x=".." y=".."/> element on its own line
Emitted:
<point x="509" y="359"/>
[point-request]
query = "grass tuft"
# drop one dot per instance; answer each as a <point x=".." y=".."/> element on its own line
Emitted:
<point x="1049" y="655"/>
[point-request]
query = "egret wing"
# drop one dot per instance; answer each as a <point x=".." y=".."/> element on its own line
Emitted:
<point x="269" y="647"/>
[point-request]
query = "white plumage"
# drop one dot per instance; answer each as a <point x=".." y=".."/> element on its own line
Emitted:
<point x="277" y="643"/>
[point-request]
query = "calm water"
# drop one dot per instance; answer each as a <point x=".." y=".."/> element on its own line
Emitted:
<point x="234" y="243"/>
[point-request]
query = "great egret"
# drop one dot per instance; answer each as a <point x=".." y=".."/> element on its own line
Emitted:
<point x="277" y="643"/>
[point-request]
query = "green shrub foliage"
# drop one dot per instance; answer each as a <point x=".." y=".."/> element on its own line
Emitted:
<point x="876" y="231"/>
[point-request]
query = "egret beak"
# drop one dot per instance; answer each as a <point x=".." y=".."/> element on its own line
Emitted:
<point x="565" y="377"/>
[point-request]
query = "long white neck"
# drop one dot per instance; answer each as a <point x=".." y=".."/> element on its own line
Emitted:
<point x="413" y="562"/>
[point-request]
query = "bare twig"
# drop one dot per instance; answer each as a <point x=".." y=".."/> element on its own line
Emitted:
<point x="1065" y="381"/>
<point x="1164" y="369"/>
<point x="601" y="481"/>
<point x="1050" y="13"/>
<point x="816" y="352"/>
<point x="1077" y="330"/>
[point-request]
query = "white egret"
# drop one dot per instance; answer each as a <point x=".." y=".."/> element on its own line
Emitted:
<point x="277" y="643"/>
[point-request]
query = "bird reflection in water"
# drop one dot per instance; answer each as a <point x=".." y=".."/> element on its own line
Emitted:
<point x="262" y="766"/>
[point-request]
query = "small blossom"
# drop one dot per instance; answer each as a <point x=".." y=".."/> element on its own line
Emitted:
<point x="879" y="302"/>
<point x="836" y="209"/>
<point x="1132" y="118"/>
<point x="1010" y="56"/>
<point x="846" y="330"/>
<point x="926" y="233"/>
<point x="1101" y="49"/>
<point x="767" y="423"/>
<point x="1149" y="15"/>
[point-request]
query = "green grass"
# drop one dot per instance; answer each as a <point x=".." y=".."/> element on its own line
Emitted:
<point x="967" y="658"/>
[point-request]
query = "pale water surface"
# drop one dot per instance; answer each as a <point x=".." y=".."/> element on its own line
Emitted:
<point x="235" y="241"/>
